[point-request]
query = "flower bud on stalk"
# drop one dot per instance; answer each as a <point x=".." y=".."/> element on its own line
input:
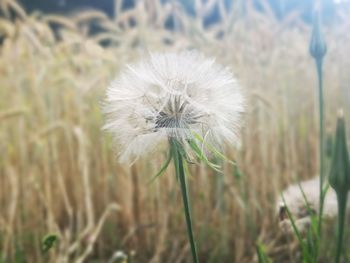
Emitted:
<point x="318" y="47"/>
<point x="318" y="50"/>
<point x="339" y="178"/>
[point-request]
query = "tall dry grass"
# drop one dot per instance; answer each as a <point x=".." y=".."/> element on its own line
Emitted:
<point x="58" y="173"/>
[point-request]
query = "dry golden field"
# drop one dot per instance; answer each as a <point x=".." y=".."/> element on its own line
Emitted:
<point x="58" y="169"/>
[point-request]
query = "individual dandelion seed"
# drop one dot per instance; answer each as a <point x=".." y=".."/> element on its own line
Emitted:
<point x="176" y="98"/>
<point x="172" y="96"/>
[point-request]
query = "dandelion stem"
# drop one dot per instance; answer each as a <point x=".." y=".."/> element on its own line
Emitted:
<point x="342" y="199"/>
<point x="180" y="174"/>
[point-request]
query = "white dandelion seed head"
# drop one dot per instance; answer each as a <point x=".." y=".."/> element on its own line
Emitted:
<point x="172" y="95"/>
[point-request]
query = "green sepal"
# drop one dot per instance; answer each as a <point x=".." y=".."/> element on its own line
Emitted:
<point x="163" y="168"/>
<point x="202" y="157"/>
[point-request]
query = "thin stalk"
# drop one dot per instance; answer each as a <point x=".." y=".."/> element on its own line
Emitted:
<point x="342" y="199"/>
<point x="321" y="140"/>
<point x="180" y="174"/>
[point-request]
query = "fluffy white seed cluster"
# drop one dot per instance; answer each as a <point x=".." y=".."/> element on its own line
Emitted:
<point x="294" y="199"/>
<point x="172" y="95"/>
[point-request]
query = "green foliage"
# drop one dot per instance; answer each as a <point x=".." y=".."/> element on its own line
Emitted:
<point x="262" y="256"/>
<point x="306" y="253"/>
<point x="48" y="242"/>
<point x="19" y="255"/>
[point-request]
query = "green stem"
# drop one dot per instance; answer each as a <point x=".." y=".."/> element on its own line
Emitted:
<point x="180" y="173"/>
<point x="342" y="199"/>
<point x="321" y="140"/>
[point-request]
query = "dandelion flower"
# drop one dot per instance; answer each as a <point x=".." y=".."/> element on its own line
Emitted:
<point x="177" y="98"/>
<point x="172" y="96"/>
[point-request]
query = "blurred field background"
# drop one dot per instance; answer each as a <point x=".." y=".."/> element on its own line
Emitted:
<point x="58" y="170"/>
